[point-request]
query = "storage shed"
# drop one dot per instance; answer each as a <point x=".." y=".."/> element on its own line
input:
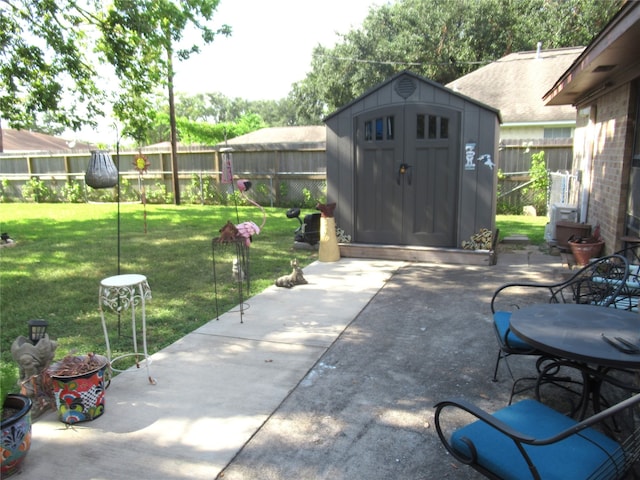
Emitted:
<point x="411" y="163"/>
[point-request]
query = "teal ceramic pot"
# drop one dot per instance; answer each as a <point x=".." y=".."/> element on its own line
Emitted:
<point x="16" y="433"/>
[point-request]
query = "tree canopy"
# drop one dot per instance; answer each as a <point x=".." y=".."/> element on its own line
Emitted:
<point x="441" y="41"/>
<point x="205" y="133"/>
<point x="53" y="53"/>
<point x="44" y="65"/>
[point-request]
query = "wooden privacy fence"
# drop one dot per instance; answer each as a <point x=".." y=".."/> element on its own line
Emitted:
<point x="295" y="177"/>
<point x="279" y="178"/>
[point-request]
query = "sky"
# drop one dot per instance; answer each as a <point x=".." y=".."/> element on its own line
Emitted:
<point x="270" y="46"/>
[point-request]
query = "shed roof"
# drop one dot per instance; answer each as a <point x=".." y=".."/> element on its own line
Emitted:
<point x="22" y="141"/>
<point x="516" y="83"/>
<point x="421" y="79"/>
<point x="280" y="138"/>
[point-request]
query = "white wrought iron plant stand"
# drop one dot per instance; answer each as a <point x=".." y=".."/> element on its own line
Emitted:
<point x="117" y="294"/>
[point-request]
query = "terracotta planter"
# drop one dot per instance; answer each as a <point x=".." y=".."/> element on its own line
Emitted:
<point x="16" y="434"/>
<point x="80" y="398"/>
<point x="583" y="252"/>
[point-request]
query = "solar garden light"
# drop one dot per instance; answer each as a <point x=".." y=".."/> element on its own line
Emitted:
<point x="37" y="330"/>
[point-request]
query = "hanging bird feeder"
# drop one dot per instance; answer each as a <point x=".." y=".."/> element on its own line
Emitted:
<point x="102" y="172"/>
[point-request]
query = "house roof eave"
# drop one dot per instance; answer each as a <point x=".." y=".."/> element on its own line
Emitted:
<point x="604" y="63"/>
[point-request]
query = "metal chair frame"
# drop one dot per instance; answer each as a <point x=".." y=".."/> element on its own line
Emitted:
<point x="631" y="292"/>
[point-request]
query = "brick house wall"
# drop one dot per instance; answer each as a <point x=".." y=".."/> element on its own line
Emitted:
<point x="606" y="129"/>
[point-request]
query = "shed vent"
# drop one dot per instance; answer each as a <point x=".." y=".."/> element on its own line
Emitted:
<point x="405" y="87"/>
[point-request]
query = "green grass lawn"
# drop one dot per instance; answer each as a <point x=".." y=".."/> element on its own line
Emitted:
<point x="64" y="250"/>
<point x="532" y="227"/>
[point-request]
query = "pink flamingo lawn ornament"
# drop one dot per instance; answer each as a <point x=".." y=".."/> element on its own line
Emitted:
<point x="243" y="230"/>
<point x="247" y="229"/>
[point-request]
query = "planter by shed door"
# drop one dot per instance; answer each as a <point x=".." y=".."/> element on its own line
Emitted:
<point x="407" y="176"/>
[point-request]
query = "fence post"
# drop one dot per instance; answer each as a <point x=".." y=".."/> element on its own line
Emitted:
<point x="271" y="196"/>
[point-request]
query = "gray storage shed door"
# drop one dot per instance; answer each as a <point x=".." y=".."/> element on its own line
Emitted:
<point x="407" y="175"/>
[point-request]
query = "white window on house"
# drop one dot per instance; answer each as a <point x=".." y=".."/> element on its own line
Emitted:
<point x="560" y="132"/>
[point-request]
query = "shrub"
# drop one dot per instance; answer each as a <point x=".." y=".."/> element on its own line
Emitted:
<point x="5" y="191"/>
<point x="73" y="192"/>
<point x="159" y="194"/>
<point x="539" y="186"/>
<point x="37" y="191"/>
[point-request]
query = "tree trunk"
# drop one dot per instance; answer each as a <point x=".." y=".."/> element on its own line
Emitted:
<point x="174" y="136"/>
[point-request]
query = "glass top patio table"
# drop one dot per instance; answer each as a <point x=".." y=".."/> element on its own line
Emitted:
<point x="574" y="332"/>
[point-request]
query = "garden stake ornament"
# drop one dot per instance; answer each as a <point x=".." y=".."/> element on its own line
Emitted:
<point x="141" y="164"/>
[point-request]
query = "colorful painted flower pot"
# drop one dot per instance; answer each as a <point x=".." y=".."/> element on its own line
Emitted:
<point x="16" y="433"/>
<point x="80" y="398"/>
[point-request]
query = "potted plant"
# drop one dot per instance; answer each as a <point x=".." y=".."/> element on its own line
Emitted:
<point x="586" y="248"/>
<point x="79" y="386"/>
<point x="16" y="423"/>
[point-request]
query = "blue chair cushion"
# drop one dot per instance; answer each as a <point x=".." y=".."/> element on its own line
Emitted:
<point x="577" y="456"/>
<point x="501" y="321"/>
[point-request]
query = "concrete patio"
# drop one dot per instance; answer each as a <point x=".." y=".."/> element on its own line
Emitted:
<point x="335" y="379"/>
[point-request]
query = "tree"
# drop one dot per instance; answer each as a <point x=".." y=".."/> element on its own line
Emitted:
<point x="48" y="71"/>
<point x="141" y="39"/>
<point x="205" y="133"/>
<point x="276" y="113"/>
<point x="441" y="41"/>
<point x="215" y="108"/>
<point x="44" y="67"/>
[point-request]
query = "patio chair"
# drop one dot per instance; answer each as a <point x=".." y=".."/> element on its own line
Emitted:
<point x="598" y="283"/>
<point x="630" y="296"/>
<point x="531" y="440"/>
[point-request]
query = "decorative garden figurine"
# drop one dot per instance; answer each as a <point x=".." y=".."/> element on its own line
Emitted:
<point x="329" y="250"/>
<point x="33" y="359"/>
<point x="32" y="362"/>
<point x="296" y="277"/>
